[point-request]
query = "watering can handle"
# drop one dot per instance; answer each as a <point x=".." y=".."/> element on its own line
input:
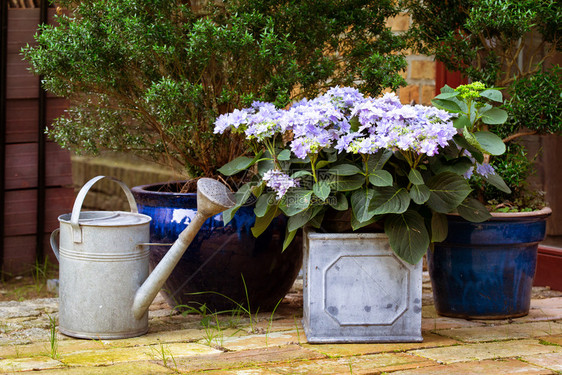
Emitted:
<point x="77" y="232"/>
<point x="55" y="242"/>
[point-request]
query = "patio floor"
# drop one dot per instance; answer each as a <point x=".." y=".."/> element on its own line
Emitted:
<point x="266" y="345"/>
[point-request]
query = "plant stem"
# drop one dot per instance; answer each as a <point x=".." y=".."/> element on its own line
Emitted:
<point x="313" y="158"/>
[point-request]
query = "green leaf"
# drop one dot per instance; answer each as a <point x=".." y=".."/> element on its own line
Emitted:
<point x="472" y="210"/>
<point x="448" y="190"/>
<point x="322" y="164"/>
<point x="461" y="122"/>
<point x="288" y="238"/>
<point x="321" y="189"/>
<point x="458" y="166"/>
<point x="439" y="227"/>
<point x="490" y="142"/>
<point x="378" y="160"/>
<point x="447" y="95"/>
<point x="447" y="88"/>
<point x="262" y="223"/>
<point x="345" y="170"/>
<point x="265" y="165"/>
<point x="354" y="123"/>
<point x="339" y="202"/>
<point x="295" y="201"/>
<point x="316" y="220"/>
<point x="264" y="201"/>
<point x="257" y="190"/>
<point x="299" y="220"/>
<point x="407" y="235"/>
<point x="494" y="116"/>
<point x="356" y="224"/>
<point x="301" y="173"/>
<point x="471" y="139"/>
<point x="347" y="183"/>
<point x="237" y="165"/>
<point x="498" y="182"/>
<point x="415" y="177"/>
<point x="360" y="204"/>
<point x="462" y="142"/>
<point x="381" y="178"/>
<point x="447" y="105"/>
<point x="284" y="155"/>
<point x="492" y="94"/>
<point x="241" y="196"/>
<point x="389" y="200"/>
<point x="419" y="194"/>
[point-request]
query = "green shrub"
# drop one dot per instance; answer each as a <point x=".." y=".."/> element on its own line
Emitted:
<point x="151" y="76"/>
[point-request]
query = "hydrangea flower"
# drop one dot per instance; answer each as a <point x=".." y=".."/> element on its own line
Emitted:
<point x="279" y="182"/>
<point x="484" y="170"/>
<point x="384" y="123"/>
<point x="260" y="121"/>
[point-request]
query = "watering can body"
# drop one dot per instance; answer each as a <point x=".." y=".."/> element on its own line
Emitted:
<point x="103" y="260"/>
<point x="105" y="287"/>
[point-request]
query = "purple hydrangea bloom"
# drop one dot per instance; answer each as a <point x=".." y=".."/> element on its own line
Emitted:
<point x="326" y="122"/>
<point x="485" y="169"/>
<point x="279" y="182"/>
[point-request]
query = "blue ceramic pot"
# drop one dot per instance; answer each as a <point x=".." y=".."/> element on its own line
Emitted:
<point x="219" y="254"/>
<point x="486" y="270"/>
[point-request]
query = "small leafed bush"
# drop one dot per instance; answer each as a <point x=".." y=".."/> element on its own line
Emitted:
<point x="151" y="76"/>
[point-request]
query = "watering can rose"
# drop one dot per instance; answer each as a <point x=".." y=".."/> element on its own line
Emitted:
<point x="396" y="163"/>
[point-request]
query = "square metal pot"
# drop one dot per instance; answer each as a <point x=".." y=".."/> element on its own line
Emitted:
<point x="357" y="290"/>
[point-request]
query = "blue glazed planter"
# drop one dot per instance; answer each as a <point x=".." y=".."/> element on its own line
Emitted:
<point x="485" y="270"/>
<point x="219" y="254"/>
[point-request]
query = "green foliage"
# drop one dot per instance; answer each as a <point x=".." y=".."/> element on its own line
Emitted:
<point x="483" y="38"/>
<point x="536" y="103"/>
<point x="151" y="76"/>
<point x="410" y="207"/>
<point x="505" y="44"/>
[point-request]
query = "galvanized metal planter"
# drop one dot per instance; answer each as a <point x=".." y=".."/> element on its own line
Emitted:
<point x="357" y="290"/>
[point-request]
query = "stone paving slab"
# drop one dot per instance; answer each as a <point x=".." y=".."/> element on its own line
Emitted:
<point x="490" y="350"/>
<point x="551" y="361"/>
<point x="503" y="367"/>
<point x="365" y="364"/>
<point x="264" y="340"/>
<point x="554" y="339"/>
<point x="143" y="367"/>
<point x="104" y="357"/>
<point x="9" y="366"/>
<point x="338" y="350"/>
<point x="247" y="359"/>
<point x="503" y="331"/>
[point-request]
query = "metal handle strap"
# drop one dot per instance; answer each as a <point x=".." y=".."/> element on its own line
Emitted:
<point x="77" y="232"/>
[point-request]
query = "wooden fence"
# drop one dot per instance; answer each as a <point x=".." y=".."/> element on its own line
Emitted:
<point x="36" y="178"/>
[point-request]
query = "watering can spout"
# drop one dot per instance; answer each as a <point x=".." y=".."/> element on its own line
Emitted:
<point x="213" y="197"/>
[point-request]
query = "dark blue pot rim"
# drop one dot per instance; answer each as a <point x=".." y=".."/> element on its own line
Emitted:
<point x="152" y="193"/>
<point x="510" y="216"/>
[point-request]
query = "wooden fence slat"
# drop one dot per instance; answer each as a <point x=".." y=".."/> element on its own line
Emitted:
<point x="21" y="210"/>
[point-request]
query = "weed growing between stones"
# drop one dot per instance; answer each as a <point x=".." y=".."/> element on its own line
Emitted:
<point x="548" y="343"/>
<point x="53" y="339"/>
<point x="237" y="312"/>
<point x="162" y="353"/>
<point x="297" y="327"/>
<point x="271" y="320"/>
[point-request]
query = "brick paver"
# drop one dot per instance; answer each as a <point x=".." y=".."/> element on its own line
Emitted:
<point x="273" y="345"/>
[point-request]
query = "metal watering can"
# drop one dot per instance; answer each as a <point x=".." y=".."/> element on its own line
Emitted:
<point x="105" y="287"/>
